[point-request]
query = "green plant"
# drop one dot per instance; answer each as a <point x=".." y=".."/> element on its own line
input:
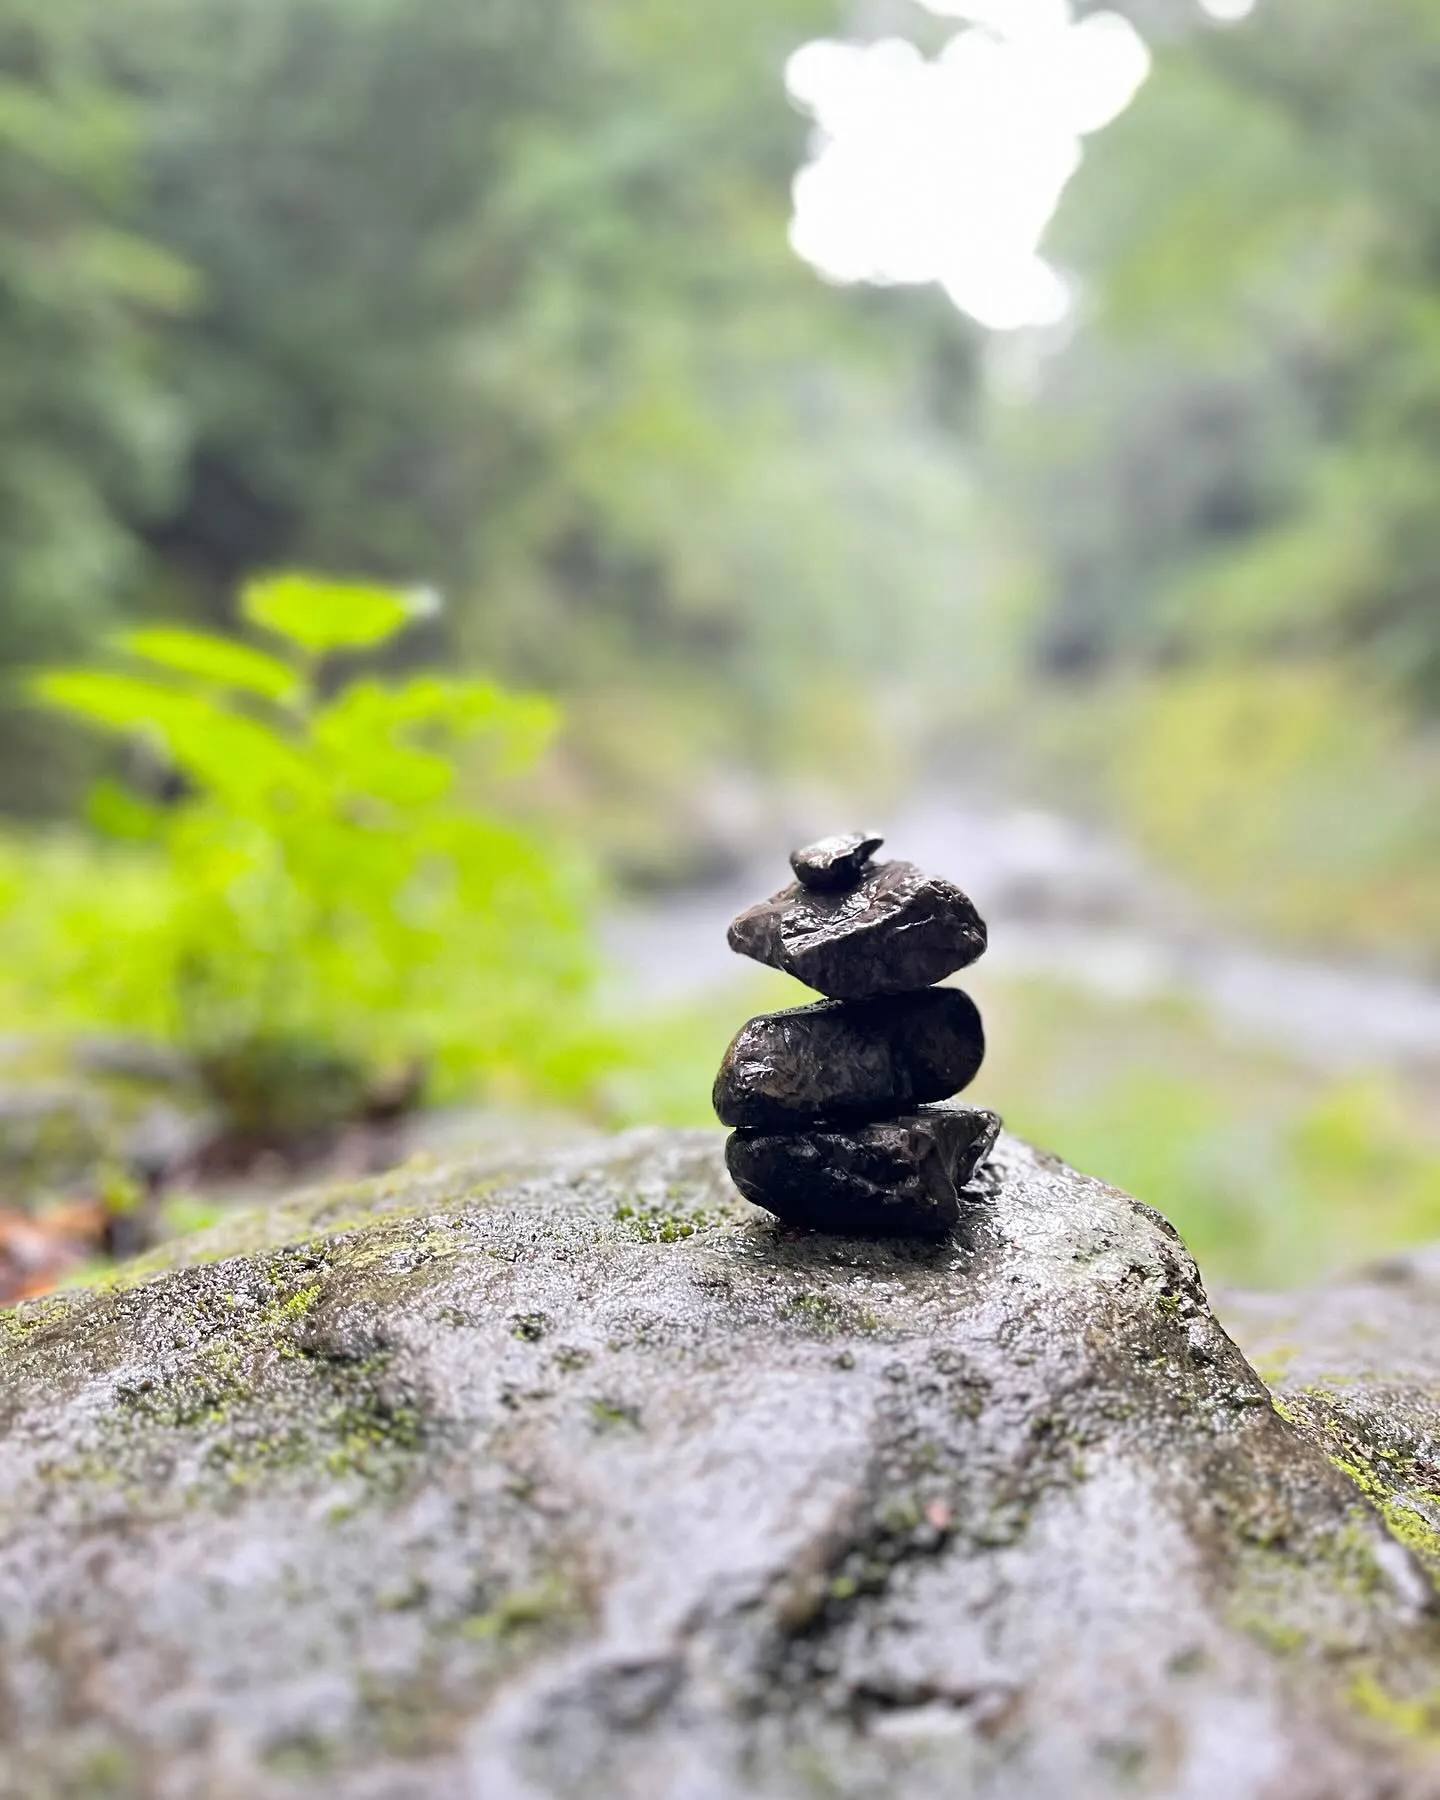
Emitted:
<point x="319" y="914"/>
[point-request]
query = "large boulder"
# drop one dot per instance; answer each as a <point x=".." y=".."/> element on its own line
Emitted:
<point x="572" y="1475"/>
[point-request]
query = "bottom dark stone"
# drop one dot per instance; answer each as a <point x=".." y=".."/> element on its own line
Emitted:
<point x="899" y="1178"/>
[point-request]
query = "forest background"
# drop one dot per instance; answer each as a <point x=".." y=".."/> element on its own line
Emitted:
<point x="490" y="303"/>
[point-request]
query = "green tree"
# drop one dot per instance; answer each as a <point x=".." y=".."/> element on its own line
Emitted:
<point x="88" y="436"/>
<point x="1222" y="492"/>
<point x="500" y="297"/>
<point x="1248" y="444"/>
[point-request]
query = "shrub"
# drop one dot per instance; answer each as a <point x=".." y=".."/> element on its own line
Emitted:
<point x="319" y="913"/>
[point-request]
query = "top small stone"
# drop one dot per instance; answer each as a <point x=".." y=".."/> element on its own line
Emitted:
<point x="895" y="932"/>
<point x="835" y="864"/>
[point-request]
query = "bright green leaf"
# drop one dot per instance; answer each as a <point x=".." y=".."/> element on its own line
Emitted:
<point x="117" y="813"/>
<point x="429" y="712"/>
<point x="225" y="752"/>
<point x="214" y="659"/>
<point x="323" y="898"/>
<point x="116" y="702"/>
<point x="322" y="616"/>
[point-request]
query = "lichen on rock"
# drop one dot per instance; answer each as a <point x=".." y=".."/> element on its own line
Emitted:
<point x="573" y="1475"/>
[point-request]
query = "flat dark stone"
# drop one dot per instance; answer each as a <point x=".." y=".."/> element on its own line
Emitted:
<point x="855" y="1059"/>
<point x="896" y="932"/>
<point x="899" y="1178"/>
<point x="835" y="864"/>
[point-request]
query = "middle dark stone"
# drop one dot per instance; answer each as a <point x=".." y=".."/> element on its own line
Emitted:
<point x="852" y="1059"/>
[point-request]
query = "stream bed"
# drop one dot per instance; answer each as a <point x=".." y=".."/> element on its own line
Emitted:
<point x="1065" y="902"/>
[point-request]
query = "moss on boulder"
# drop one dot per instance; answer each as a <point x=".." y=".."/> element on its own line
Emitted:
<point x="573" y="1475"/>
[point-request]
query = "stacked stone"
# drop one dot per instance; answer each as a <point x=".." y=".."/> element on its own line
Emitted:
<point x="839" y="1109"/>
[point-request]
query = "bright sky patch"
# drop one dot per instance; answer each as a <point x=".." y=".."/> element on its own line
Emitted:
<point x="950" y="169"/>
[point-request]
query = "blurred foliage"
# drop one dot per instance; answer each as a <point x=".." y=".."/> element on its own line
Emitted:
<point x="493" y="297"/>
<point x="498" y="297"/>
<point x="1222" y="487"/>
<point x="1275" y="1174"/>
<point x="1252" y="434"/>
<point x="1295" y="797"/>
<point x="316" y="918"/>
<point x="1300" y="800"/>
<point x="87" y="430"/>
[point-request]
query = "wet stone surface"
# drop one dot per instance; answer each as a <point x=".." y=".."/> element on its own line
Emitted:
<point x="835" y="864"/>
<point x="897" y="931"/>
<point x="865" y="1059"/>
<point x="564" y="1474"/>
<point x="900" y="1177"/>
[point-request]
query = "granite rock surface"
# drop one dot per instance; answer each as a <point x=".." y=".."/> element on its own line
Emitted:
<point x="557" y="1475"/>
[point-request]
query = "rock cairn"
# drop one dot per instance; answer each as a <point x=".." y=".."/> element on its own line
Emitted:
<point x="839" y="1109"/>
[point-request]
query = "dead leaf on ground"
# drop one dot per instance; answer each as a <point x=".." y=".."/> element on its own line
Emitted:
<point x="38" y="1252"/>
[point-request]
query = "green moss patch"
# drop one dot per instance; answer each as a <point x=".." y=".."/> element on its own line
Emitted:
<point x="1397" y="1476"/>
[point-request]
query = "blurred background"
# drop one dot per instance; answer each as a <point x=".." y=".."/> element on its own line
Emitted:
<point x="481" y="479"/>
